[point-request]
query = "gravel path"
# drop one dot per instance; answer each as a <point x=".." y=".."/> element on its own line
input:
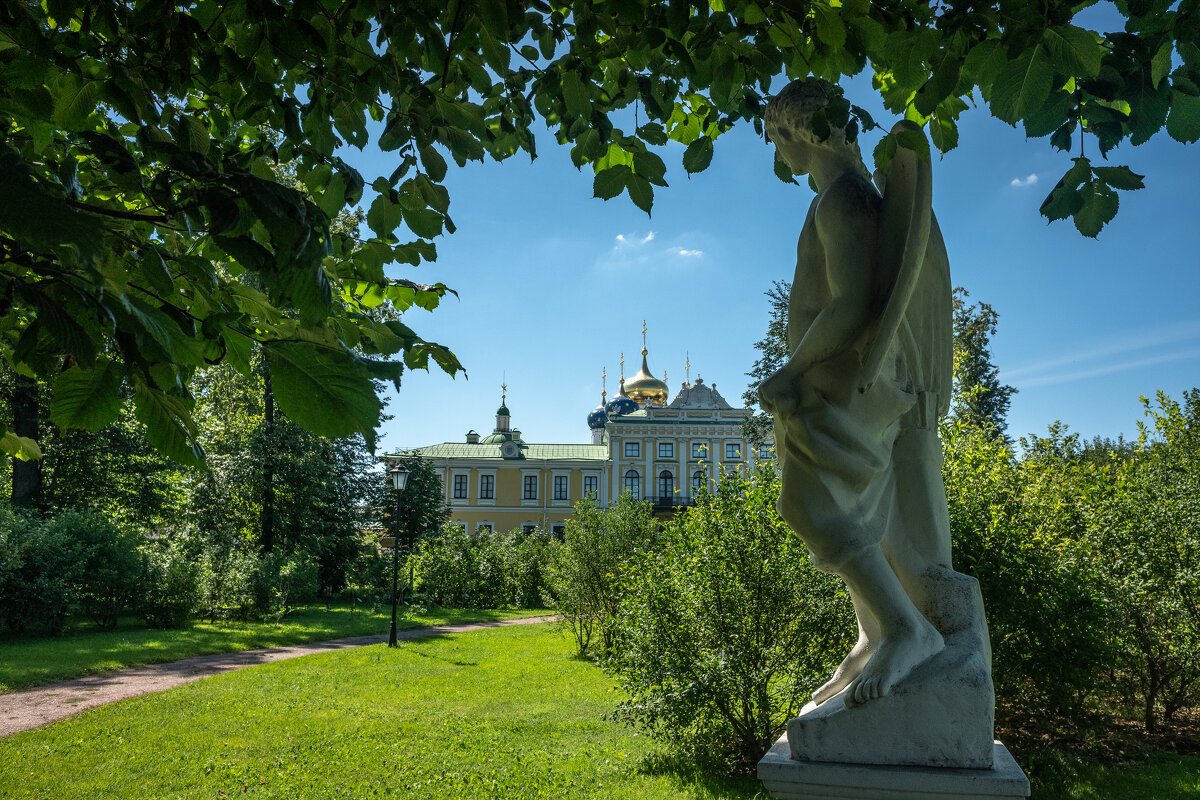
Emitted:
<point x="32" y="708"/>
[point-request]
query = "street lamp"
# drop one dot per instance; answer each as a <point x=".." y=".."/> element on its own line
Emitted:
<point x="399" y="475"/>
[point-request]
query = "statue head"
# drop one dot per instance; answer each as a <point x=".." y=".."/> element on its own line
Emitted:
<point x="797" y="117"/>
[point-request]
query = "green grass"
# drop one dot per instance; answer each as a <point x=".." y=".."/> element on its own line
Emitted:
<point x="1162" y="777"/>
<point x="27" y="661"/>
<point x="499" y="713"/>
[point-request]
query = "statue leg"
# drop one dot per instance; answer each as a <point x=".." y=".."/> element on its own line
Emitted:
<point x="852" y="665"/>
<point x="906" y="638"/>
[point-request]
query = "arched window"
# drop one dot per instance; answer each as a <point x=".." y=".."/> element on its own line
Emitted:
<point x="633" y="484"/>
<point x="666" y="484"/>
<point x="697" y="482"/>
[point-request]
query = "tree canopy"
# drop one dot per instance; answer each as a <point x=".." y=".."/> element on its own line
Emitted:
<point x="147" y="227"/>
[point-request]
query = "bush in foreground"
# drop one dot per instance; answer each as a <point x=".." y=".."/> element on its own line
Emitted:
<point x="726" y="627"/>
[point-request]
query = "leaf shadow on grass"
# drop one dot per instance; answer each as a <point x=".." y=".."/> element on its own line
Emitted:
<point x="702" y="783"/>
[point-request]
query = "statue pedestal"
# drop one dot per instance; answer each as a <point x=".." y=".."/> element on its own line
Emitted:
<point x="785" y="777"/>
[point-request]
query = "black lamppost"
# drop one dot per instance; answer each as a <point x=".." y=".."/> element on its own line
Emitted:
<point x="399" y="475"/>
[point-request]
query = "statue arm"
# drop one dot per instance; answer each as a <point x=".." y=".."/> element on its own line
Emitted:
<point x="845" y="227"/>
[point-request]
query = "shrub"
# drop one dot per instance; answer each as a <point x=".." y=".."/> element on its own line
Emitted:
<point x="41" y="580"/>
<point x="111" y="567"/>
<point x="588" y="572"/>
<point x="1015" y="527"/>
<point x="171" y="587"/>
<point x="726" y="628"/>
<point x="448" y="569"/>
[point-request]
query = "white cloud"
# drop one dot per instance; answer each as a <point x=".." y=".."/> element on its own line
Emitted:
<point x="649" y="237"/>
<point x="1028" y="181"/>
<point x="679" y="251"/>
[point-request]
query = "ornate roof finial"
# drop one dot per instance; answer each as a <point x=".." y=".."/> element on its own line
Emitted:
<point x="603" y="384"/>
<point x="503" y="393"/>
<point x="688" y="368"/>
<point x="644" y="350"/>
<point x="622" y="367"/>
<point x="664" y="376"/>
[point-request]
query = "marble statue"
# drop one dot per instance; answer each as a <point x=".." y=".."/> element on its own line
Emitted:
<point x="856" y="409"/>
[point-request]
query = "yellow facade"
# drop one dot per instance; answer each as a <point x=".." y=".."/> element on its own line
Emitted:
<point x="658" y="451"/>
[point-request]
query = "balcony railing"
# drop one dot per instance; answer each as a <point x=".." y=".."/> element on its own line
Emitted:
<point x="670" y="501"/>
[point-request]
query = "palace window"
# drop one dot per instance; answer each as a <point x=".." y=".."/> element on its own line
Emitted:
<point x="485" y="527"/>
<point x="528" y="528"/>
<point x="697" y="482"/>
<point x="699" y="450"/>
<point x="633" y="484"/>
<point x="530" y="491"/>
<point x="591" y="485"/>
<point x="733" y="451"/>
<point x="633" y="449"/>
<point x="460" y="487"/>
<point x="560" y="487"/>
<point x="559" y="530"/>
<point x="487" y="487"/>
<point x="764" y="452"/>
<point x="666" y="449"/>
<point x="666" y="483"/>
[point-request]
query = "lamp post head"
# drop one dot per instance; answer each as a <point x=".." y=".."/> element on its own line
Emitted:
<point x="399" y="475"/>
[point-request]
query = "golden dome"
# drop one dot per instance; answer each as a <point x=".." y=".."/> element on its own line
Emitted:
<point x="645" y="388"/>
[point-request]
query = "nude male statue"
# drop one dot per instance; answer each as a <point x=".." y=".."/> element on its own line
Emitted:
<point x="857" y="403"/>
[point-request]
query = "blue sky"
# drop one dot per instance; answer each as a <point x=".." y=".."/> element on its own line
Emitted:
<point x="554" y="284"/>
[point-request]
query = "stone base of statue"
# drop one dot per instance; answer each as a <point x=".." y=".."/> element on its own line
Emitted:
<point x="941" y="715"/>
<point x="785" y="777"/>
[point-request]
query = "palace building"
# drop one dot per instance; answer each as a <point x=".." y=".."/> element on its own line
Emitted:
<point x="657" y="448"/>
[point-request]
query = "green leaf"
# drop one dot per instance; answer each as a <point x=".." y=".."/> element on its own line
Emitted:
<point x="424" y="222"/>
<point x="783" y="171"/>
<point x="753" y="15"/>
<point x="1066" y="198"/>
<point x="384" y="216"/>
<point x="610" y="182"/>
<point x="495" y="53"/>
<point x="650" y="167"/>
<point x="698" y="155"/>
<point x="1074" y="51"/>
<point x="1183" y="124"/>
<point x="74" y="102"/>
<point x="238" y="350"/>
<point x="576" y="95"/>
<point x="1120" y="177"/>
<point x="169" y="425"/>
<point x="830" y="28"/>
<point x="494" y="16"/>
<point x="641" y="193"/>
<point x="1100" y="204"/>
<point x="1061" y="138"/>
<point x="178" y="346"/>
<point x="324" y="389"/>
<point x="1022" y="86"/>
<point x="21" y="448"/>
<point x="87" y="398"/>
<point x="1160" y="64"/>
<point x="434" y="164"/>
<point x="943" y="133"/>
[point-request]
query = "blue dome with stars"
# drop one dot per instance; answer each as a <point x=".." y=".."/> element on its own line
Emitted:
<point x="598" y="418"/>
<point x="621" y="405"/>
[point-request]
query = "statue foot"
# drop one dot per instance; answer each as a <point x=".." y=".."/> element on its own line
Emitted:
<point x="896" y="657"/>
<point x="850" y="668"/>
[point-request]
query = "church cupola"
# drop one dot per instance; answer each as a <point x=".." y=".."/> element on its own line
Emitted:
<point x="502" y="417"/>
<point x="643" y="388"/>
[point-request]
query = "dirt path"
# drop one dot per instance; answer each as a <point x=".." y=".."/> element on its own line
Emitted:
<point x="32" y="708"/>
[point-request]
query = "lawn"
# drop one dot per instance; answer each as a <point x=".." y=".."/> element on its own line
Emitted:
<point x="505" y="712"/>
<point x="27" y="661"/>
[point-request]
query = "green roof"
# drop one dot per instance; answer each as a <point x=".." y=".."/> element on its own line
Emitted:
<point x="529" y="452"/>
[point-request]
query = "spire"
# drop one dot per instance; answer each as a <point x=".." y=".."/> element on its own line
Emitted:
<point x="687" y="367"/>
<point x="502" y="416"/>
<point x="644" y="351"/>
<point x="603" y="385"/>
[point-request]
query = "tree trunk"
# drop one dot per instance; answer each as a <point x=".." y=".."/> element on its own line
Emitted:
<point x="1152" y="687"/>
<point x="267" y="535"/>
<point x="26" y="475"/>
